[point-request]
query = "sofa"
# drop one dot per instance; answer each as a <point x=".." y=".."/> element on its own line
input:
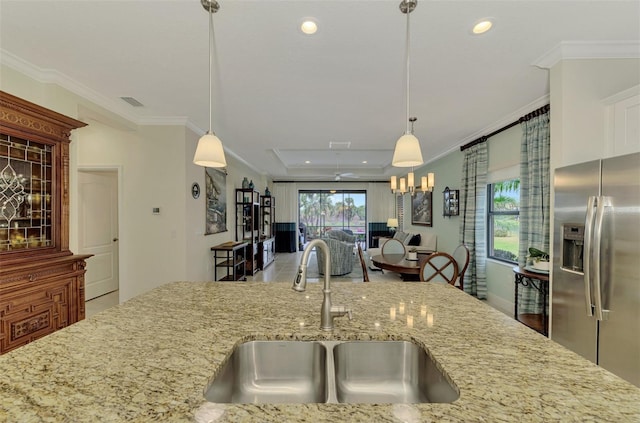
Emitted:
<point x="421" y="242"/>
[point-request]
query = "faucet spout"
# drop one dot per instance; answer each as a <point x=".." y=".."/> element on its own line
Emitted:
<point x="327" y="311"/>
<point x="300" y="281"/>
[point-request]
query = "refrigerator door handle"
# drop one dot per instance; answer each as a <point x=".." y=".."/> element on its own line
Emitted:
<point x="602" y="202"/>
<point x="588" y="238"/>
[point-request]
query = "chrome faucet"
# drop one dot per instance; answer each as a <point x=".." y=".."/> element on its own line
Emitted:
<point x="327" y="312"/>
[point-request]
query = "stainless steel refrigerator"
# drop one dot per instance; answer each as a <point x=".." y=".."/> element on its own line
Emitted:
<point x="596" y="263"/>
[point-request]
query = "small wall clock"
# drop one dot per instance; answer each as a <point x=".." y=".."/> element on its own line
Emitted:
<point x="195" y="190"/>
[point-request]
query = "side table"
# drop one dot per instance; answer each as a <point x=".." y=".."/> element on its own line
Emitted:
<point x="539" y="282"/>
<point x="233" y="256"/>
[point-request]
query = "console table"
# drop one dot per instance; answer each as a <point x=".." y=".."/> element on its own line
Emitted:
<point x="539" y="282"/>
<point x="233" y="256"/>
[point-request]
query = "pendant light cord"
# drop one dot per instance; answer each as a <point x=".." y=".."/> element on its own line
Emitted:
<point x="408" y="72"/>
<point x="210" y="69"/>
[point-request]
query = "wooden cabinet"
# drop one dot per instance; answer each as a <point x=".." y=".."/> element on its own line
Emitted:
<point x="41" y="281"/>
<point x="248" y="225"/>
<point x="38" y="298"/>
<point x="267" y="247"/>
<point x="267" y="252"/>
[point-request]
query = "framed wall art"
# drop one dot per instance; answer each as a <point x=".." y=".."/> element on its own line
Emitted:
<point x="421" y="208"/>
<point x="450" y="202"/>
<point x="216" y="200"/>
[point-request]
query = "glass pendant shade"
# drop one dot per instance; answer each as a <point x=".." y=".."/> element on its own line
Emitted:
<point x="394" y="183"/>
<point x="407" y="152"/>
<point x="209" y="152"/>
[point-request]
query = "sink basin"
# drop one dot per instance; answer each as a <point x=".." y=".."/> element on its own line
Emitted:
<point x="272" y="372"/>
<point x="278" y="372"/>
<point x="388" y="372"/>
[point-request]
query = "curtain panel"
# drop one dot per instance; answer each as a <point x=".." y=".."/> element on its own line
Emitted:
<point x="473" y="200"/>
<point x="535" y="194"/>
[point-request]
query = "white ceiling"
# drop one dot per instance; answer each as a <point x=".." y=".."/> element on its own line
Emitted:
<point x="281" y="97"/>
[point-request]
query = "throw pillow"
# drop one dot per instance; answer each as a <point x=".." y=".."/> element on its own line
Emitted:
<point x="415" y="240"/>
<point x="400" y="236"/>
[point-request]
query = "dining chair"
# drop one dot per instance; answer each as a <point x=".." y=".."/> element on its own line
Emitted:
<point x="461" y="256"/>
<point x="393" y="246"/>
<point x="439" y="267"/>
<point x="365" y="273"/>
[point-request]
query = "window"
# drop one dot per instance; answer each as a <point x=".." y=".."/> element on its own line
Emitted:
<point x="320" y="211"/>
<point x="503" y="223"/>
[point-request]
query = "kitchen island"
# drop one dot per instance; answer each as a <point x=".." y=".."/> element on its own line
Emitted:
<point x="150" y="358"/>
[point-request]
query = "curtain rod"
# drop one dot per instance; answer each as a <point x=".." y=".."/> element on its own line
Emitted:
<point x="528" y="116"/>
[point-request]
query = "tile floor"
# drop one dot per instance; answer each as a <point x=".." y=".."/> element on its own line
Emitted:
<point x="283" y="269"/>
<point x="98" y="304"/>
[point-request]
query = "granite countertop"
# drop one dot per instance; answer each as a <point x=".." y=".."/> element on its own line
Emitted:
<point x="150" y="358"/>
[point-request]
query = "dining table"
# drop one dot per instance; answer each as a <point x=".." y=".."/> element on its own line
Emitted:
<point x="409" y="269"/>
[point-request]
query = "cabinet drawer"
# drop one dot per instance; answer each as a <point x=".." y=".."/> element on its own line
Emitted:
<point x="25" y="277"/>
<point x="33" y="313"/>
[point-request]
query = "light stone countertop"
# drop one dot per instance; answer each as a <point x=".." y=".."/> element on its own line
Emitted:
<point x="150" y="359"/>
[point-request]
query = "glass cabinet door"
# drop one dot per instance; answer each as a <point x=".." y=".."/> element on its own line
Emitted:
<point x="26" y="187"/>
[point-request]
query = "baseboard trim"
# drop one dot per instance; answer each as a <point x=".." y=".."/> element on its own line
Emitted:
<point x="500" y="304"/>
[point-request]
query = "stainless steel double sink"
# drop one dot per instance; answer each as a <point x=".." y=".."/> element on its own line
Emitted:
<point x="278" y="372"/>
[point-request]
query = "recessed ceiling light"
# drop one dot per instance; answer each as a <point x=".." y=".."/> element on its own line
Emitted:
<point x="482" y="26"/>
<point x="307" y="161"/>
<point x="309" y="27"/>
<point x="364" y="162"/>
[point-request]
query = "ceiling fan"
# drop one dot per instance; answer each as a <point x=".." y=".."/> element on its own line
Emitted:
<point x="339" y="175"/>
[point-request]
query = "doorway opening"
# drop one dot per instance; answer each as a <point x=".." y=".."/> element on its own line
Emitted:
<point x="98" y="229"/>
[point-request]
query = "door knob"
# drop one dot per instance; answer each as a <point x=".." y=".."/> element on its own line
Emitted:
<point x="115" y="239"/>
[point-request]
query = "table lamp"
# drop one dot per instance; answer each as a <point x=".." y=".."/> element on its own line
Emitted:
<point x="392" y="224"/>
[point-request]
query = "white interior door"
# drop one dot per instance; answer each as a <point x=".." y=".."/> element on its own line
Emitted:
<point x="98" y="230"/>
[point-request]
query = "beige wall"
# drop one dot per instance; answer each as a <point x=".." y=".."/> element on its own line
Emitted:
<point x="198" y="246"/>
<point x="155" y="169"/>
<point x="154" y="164"/>
<point x="447" y="172"/>
<point x="152" y="172"/>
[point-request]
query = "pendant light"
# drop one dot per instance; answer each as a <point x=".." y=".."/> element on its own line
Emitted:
<point x="210" y="152"/>
<point x="407" y="152"/>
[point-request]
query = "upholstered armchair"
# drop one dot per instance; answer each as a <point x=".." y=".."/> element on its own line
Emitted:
<point x="341" y="235"/>
<point x="342" y="257"/>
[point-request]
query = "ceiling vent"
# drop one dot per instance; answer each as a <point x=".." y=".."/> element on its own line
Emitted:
<point x="132" y="101"/>
<point x="336" y="145"/>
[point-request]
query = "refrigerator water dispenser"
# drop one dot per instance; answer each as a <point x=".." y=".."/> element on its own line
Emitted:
<point x="572" y="247"/>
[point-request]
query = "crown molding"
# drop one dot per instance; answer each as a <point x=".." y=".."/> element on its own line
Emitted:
<point x="52" y="76"/>
<point x="573" y="50"/>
